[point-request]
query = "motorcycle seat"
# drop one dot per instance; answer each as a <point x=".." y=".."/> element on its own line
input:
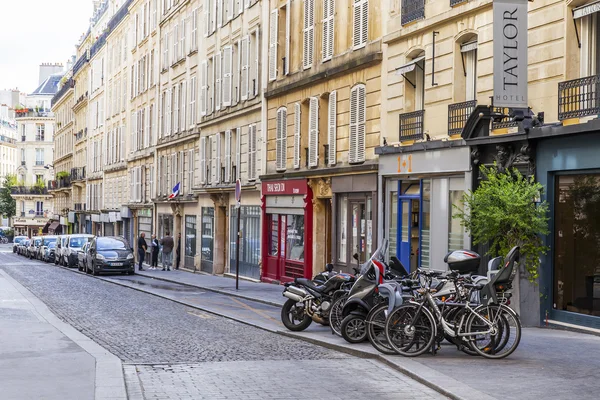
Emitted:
<point x="309" y="283"/>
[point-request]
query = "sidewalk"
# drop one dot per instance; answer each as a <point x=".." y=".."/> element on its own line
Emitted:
<point x="42" y="357"/>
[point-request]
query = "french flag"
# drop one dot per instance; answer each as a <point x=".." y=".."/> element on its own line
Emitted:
<point x="175" y="191"/>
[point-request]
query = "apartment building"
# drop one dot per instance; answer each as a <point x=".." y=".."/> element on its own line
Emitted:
<point x="64" y="125"/>
<point x="324" y="104"/>
<point x="8" y="147"/>
<point x="141" y="80"/>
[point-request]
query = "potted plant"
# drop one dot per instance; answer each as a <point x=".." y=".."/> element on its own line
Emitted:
<point x="62" y="175"/>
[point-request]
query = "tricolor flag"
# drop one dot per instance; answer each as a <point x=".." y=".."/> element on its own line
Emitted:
<point x="175" y="191"/>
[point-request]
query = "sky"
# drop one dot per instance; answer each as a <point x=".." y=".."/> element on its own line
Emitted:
<point x="33" y="32"/>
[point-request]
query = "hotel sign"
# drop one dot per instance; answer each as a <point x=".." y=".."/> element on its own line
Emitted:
<point x="510" y="53"/>
<point x="586" y="10"/>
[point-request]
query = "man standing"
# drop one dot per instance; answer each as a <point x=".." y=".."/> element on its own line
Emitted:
<point x="142" y="247"/>
<point x="167" y="244"/>
<point x="155" y="247"/>
<point x="178" y="251"/>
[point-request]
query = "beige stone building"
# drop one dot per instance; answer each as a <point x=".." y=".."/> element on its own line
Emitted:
<point x="323" y="124"/>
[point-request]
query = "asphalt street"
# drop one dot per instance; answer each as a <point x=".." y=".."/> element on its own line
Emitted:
<point x="173" y="351"/>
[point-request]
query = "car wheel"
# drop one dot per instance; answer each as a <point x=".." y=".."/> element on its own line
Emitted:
<point x="130" y="272"/>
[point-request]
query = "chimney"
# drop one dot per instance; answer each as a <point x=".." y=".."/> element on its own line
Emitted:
<point x="47" y="69"/>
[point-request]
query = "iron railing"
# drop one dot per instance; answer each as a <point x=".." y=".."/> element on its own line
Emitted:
<point x="80" y="63"/>
<point x="458" y="114"/>
<point x="7" y="139"/>
<point x="579" y="97"/>
<point x="39" y="163"/>
<point x="31" y="190"/>
<point x="506" y="122"/>
<point x="81" y="134"/>
<point x="79" y="206"/>
<point x="64" y="89"/>
<point x="411" y="125"/>
<point x="77" y="174"/>
<point x="412" y="10"/>
<point x="455" y="2"/>
<point x="61" y="183"/>
<point x="81" y="98"/>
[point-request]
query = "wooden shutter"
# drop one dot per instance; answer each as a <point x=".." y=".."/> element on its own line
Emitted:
<point x="245" y="57"/>
<point x="288" y="19"/>
<point x="227" y="177"/>
<point x="181" y="172"/>
<point x="361" y="23"/>
<point x="211" y="86"/>
<point x="229" y="9"/>
<point x="176" y="109"/>
<point x="328" y="29"/>
<point x="183" y="103"/>
<point x="297" y="134"/>
<point x="308" y="33"/>
<point x="190" y="170"/>
<point x="273" y="45"/>
<point x="255" y="74"/>
<point x="203" y="87"/>
<point x="203" y="160"/>
<point x="227" y="75"/>
<point x="252" y="153"/>
<point x="218" y="80"/>
<point x="313" y="133"/>
<point x="358" y="112"/>
<point x="238" y="153"/>
<point x="332" y="128"/>
<point x="206" y="14"/>
<point x="147" y="123"/>
<point x="281" y="135"/>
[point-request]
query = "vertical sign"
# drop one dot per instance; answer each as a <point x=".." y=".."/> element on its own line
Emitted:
<point x="510" y="53"/>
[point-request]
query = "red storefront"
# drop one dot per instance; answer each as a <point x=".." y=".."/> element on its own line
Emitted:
<point x="287" y="230"/>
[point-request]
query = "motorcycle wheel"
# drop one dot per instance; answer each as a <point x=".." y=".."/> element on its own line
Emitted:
<point x="376" y="329"/>
<point x="293" y="317"/>
<point x="335" y="315"/>
<point x="354" y="329"/>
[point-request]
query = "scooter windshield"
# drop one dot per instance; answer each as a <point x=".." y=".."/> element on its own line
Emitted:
<point x="378" y="254"/>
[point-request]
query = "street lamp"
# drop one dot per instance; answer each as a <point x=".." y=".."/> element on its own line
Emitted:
<point x="48" y="166"/>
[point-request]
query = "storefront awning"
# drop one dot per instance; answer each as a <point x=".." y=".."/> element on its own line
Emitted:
<point x="55" y="228"/>
<point x="587" y="9"/>
<point x="409" y="67"/>
<point x="466" y="47"/>
<point x="46" y="227"/>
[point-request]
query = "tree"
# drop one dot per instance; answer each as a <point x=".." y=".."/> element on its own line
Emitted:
<point x="8" y="205"/>
<point x="503" y="213"/>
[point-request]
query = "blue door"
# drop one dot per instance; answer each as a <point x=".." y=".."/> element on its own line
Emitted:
<point x="408" y="235"/>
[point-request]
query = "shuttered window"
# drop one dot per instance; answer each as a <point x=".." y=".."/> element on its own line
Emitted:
<point x="183" y="103"/>
<point x="308" y="39"/>
<point x="203" y="160"/>
<point x="358" y="114"/>
<point x="288" y="39"/>
<point x="227" y="75"/>
<point x="176" y="109"/>
<point x="218" y="80"/>
<point x="206" y="11"/>
<point x="191" y="171"/>
<point x="313" y="132"/>
<point x="245" y="63"/>
<point x="328" y="29"/>
<point x="332" y="128"/>
<point x="252" y="149"/>
<point x="227" y="177"/>
<point x="203" y="87"/>
<point x="273" y="45"/>
<point x="281" y="139"/>
<point x="194" y="30"/>
<point x="297" y="134"/>
<point x="361" y="23"/>
<point x="238" y="153"/>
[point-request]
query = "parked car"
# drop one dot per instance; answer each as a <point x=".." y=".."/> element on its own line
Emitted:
<point x="46" y="240"/>
<point x="33" y="247"/>
<point x="61" y="246"/>
<point x="72" y="247"/>
<point x="22" y="247"/>
<point x="110" y="254"/>
<point x="82" y="257"/>
<point x="17" y="241"/>
<point x="50" y="252"/>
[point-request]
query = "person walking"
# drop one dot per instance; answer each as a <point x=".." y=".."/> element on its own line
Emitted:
<point x="167" y="244"/>
<point x="155" y="246"/>
<point x="142" y="247"/>
<point x="178" y="251"/>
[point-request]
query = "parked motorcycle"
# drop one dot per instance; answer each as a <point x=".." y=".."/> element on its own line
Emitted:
<point x="310" y="300"/>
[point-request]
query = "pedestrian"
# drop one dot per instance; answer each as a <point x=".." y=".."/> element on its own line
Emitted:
<point x="142" y="247"/>
<point x="167" y="244"/>
<point x="155" y="246"/>
<point x="178" y="251"/>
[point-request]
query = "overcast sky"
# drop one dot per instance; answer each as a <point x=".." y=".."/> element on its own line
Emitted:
<point x="38" y="31"/>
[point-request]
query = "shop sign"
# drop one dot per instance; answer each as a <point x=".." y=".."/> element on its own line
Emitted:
<point x="586" y="10"/>
<point x="63" y="221"/>
<point x="291" y="187"/>
<point x="425" y="162"/>
<point x="95" y="218"/>
<point x="71" y="217"/>
<point x="29" y="221"/>
<point x="510" y="53"/>
<point x="144" y="213"/>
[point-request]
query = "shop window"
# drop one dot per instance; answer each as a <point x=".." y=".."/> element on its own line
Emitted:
<point x="576" y="244"/>
<point x="208" y="229"/>
<point x="342" y="229"/>
<point x="426" y="223"/>
<point x="273" y="244"/>
<point x="456" y="232"/>
<point x="249" y="241"/>
<point x="355" y="228"/>
<point x="589" y="45"/>
<point x="295" y="238"/>
<point x="165" y="224"/>
<point x="190" y="240"/>
<point x="393" y="224"/>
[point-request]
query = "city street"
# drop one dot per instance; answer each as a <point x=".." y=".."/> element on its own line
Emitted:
<point x="171" y="351"/>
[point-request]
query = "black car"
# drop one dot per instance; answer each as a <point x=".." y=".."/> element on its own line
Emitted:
<point x="110" y="254"/>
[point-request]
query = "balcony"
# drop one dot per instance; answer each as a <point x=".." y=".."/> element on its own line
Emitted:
<point x="81" y="99"/>
<point x="61" y="183"/>
<point x="70" y="84"/>
<point x="412" y="10"/>
<point x="7" y="139"/>
<point x="79" y="206"/>
<point x="505" y="122"/>
<point x="39" y="163"/>
<point x="411" y="125"/>
<point x="81" y="134"/>
<point x="77" y="174"/>
<point x="33" y="113"/>
<point x="579" y="98"/>
<point x="458" y="114"/>
<point x="16" y="190"/>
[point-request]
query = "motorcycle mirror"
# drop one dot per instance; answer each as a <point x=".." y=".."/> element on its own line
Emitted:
<point x="355" y="256"/>
<point x="329" y="267"/>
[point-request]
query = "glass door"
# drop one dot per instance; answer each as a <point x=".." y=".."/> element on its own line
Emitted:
<point x="409" y="224"/>
<point x="359" y="230"/>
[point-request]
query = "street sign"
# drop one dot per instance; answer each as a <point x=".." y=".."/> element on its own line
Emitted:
<point x="238" y="191"/>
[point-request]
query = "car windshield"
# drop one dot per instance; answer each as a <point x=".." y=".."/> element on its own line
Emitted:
<point x="106" y="243"/>
<point x="19" y="240"/>
<point x="52" y="245"/>
<point x="78" y="241"/>
<point x="37" y="242"/>
<point x="50" y="240"/>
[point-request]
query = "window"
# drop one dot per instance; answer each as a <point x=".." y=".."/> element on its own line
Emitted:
<point x="342" y="228"/>
<point x="227" y="177"/>
<point x="589" y="45"/>
<point x="39" y="157"/>
<point x="254" y="48"/>
<point x="456" y="231"/>
<point x="308" y="39"/>
<point x="203" y="87"/>
<point x="332" y="128"/>
<point x="207" y="229"/>
<point x="190" y="240"/>
<point x="281" y="139"/>
<point x="361" y="23"/>
<point x="273" y="36"/>
<point x="22" y="156"/>
<point x="358" y="111"/>
<point x="313" y="132"/>
<point x="273" y="241"/>
<point x="328" y="29"/>
<point x="252" y="150"/>
<point x="227" y="75"/>
<point x="192" y="113"/>
<point x="297" y="134"/>
<point x="295" y="238"/>
<point x="469" y="54"/>
<point x="245" y="67"/>
<point x="250" y="240"/>
<point x="218" y="79"/>
<point x="40" y="132"/>
<point x="39" y="208"/>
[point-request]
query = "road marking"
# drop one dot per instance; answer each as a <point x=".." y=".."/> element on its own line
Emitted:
<point x="262" y="314"/>
<point x="200" y="315"/>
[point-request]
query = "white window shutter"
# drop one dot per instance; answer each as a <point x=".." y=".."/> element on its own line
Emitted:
<point x="332" y="128"/>
<point x="203" y="160"/>
<point x="252" y="153"/>
<point x="288" y="21"/>
<point x="190" y="171"/>
<point x="218" y="158"/>
<point x="176" y="109"/>
<point x="273" y="44"/>
<point x="362" y="121"/>
<point x="122" y="136"/>
<point x="147" y="128"/>
<point x="235" y="73"/>
<point x="181" y="172"/>
<point x="134" y="121"/>
<point x="227" y="177"/>
<point x="219" y="12"/>
<point x="313" y="133"/>
<point x="238" y="153"/>
<point x="212" y="153"/>
<point x="229" y="9"/>
<point x="218" y="81"/>
<point x="227" y="75"/>
<point x="352" y="157"/>
<point x="245" y="73"/>
<point x="211" y="87"/>
<point x="255" y="74"/>
<point x="281" y="144"/>
<point x="183" y="103"/>
<point x="206" y="17"/>
<point x="297" y="133"/>
<point x="328" y="29"/>
<point x="203" y="87"/>
<point x="361" y="23"/>
<point x="308" y="33"/>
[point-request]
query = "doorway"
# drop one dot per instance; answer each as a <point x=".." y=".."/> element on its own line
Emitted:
<point x="409" y="224"/>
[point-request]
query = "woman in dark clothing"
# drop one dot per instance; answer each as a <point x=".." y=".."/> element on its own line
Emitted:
<point x="155" y="246"/>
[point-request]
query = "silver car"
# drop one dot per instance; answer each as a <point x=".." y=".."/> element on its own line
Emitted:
<point x="61" y="249"/>
<point x="74" y="247"/>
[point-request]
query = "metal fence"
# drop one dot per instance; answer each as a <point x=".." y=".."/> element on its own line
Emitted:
<point x="458" y="114"/>
<point x="579" y="97"/>
<point x="411" y="125"/>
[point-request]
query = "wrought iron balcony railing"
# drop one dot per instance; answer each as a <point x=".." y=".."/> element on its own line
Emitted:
<point x="506" y="122"/>
<point x="79" y="206"/>
<point x="30" y="190"/>
<point x="412" y="10"/>
<point x="579" y="97"/>
<point x="64" y="89"/>
<point x="411" y="125"/>
<point x="77" y="174"/>
<point x="458" y="114"/>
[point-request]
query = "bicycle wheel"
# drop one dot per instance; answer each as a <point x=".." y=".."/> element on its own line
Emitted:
<point x="454" y="315"/>
<point x="335" y="315"/>
<point x="410" y="338"/>
<point x="376" y="329"/>
<point x="505" y="333"/>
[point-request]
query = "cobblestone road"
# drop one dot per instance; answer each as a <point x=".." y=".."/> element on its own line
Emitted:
<point x="178" y="352"/>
